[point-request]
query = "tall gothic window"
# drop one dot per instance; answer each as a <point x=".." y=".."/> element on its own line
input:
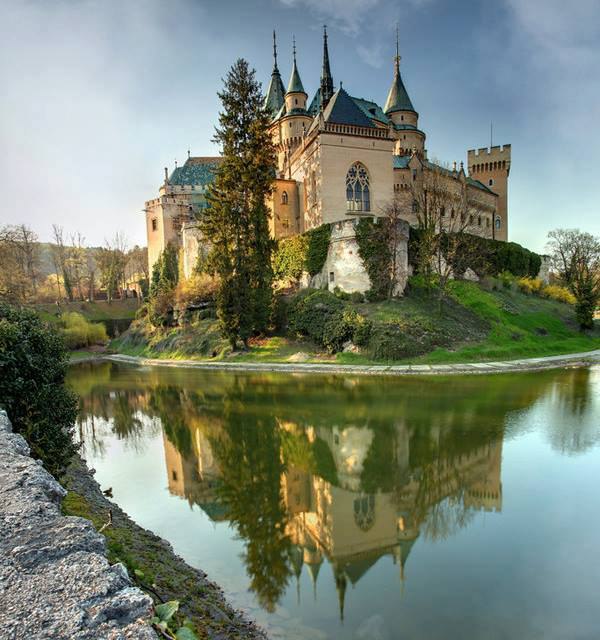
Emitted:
<point x="284" y="198"/>
<point x="358" y="195"/>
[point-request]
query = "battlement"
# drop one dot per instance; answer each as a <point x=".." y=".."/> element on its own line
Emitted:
<point x="485" y="154"/>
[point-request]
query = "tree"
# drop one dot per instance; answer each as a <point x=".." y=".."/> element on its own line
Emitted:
<point x="236" y="220"/>
<point x="19" y="263"/>
<point x="60" y="256"/>
<point x="33" y="365"/>
<point x="575" y="256"/>
<point x="111" y="260"/>
<point x="137" y="267"/>
<point x="445" y="215"/>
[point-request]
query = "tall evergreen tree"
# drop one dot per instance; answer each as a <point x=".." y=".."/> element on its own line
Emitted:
<point x="236" y="223"/>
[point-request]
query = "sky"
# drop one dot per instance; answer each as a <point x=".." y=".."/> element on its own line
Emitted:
<point x="99" y="95"/>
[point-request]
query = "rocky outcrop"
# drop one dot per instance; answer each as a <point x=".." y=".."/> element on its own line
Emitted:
<point x="55" y="580"/>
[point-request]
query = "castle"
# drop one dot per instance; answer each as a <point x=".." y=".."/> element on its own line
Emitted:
<point x="339" y="158"/>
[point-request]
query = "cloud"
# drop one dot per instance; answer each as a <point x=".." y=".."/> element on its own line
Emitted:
<point x="348" y="15"/>
<point x="373" y="55"/>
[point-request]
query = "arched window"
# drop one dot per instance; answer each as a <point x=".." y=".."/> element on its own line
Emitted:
<point x="364" y="511"/>
<point x="358" y="194"/>
<point x="498" y="223"/>
<point x="284" y="197"/>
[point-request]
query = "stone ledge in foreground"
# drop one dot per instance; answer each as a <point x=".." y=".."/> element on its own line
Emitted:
<point x="55" y="580"/>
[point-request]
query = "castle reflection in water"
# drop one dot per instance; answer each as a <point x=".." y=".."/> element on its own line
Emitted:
<point x="337" y="520"/>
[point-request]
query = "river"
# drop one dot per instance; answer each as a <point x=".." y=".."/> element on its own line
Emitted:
<point x="365" y="508"/>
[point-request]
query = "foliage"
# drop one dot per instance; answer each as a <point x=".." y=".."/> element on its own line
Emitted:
<point x="318" y="246"/>
<point x="373" y="238"/>
<point x="112" y="261"/>
<point x="576" y="257"/>
<point x="558" y="293"/>
<point x="165" y="271"/>
<point x="79" y="332"/>
<point x="289" y="258"/>
<point x="198" y="288"/>
<point x="33" y="364"/>
<point x="398" y="340"/>
<point x="19" y="263"/>
<point x="326" y="320"/>
<point x="236" y="222"/>
<point x="161" y="307"/>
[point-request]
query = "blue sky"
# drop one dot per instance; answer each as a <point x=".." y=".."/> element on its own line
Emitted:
<point x="100" y="95"/>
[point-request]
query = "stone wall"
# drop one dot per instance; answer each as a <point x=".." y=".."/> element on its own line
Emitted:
<point x="55" y="580"/>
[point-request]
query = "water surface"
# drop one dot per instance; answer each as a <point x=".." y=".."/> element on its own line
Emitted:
<point x="365" y="508"/>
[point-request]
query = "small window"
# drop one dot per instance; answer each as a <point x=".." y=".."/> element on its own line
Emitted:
<point x="401" y="117"/>
<point x="443" y="212"/>
<point x="331" y="276"/>
<point x="284" y="197"/>
<point x="154" y="224"/>
<point x="414" y="174"/>
<point x="174" y="474"/>
<point x="471" y="219"/>
<point x="498" y="223"/>
<point x="415" y="206"/>
<point x="296" y="101"/>
<point x="487" y="223"/>
<point x="479" y="220"/>
<point x="452" y="214"/>
<point x="491" y="182"/>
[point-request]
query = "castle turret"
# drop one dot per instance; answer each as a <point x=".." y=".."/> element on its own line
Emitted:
<point x="275" y="93"/>
<point x="491" y="166"/>
<point x="295" y="96"/>
<point x="399" y="108"/>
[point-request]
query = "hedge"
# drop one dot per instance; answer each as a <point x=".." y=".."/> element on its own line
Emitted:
<point x="485" y="256"/>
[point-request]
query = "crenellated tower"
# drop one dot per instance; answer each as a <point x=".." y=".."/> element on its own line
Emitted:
<point x="491" y="166"/>
<point x="400" y="110"/>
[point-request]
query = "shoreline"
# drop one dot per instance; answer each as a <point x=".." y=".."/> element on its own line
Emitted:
<point x="474" y="368"/>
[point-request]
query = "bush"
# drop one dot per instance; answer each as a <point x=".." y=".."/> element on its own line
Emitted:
<point x="160" y="307"/>
<point x="33" y="364"/>
<point x="198" y="288"/>
<point x="560" y="294"/>
<point x="325" y="319"/>
<point x="395" y="341"/>
<point x="80" y="333"/>
<point x="310" y="311"/>
<point x="530" y="285"/>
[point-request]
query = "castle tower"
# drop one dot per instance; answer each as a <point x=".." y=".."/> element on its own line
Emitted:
<point x="275" y="93"/>
<point x="295" y="96"/>
<point x="400" y="110"/>
<point x="491" y="166"/>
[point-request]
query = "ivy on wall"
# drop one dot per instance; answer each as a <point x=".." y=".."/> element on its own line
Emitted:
<point x="373" y="238"/>
<point x="305" y="252"/>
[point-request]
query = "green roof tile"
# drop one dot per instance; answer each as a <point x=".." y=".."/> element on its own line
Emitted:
<point x="195" y="171"/>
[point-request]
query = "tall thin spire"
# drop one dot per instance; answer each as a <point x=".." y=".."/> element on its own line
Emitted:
<point x="326" y="77"/>
<point x="275" y="93"/>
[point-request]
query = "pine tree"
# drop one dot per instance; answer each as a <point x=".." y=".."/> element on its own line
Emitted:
<point x="236" y="222"/>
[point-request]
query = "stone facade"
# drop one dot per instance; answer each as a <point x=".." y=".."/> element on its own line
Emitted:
<point x="340" y="157"/>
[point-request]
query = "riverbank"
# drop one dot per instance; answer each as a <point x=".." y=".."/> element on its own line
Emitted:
<point x="61" y="578"/>
<point x="529" y="364"/>
<point x="55" y="580"/>
<point x="153" y="564"/>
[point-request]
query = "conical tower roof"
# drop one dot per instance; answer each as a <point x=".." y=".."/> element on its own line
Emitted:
<point x="275" y="93"/>
<point x="295" y="84"/>
<point x="398" y="99"/>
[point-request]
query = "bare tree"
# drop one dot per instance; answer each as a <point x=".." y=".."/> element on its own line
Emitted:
<point x="19" y="262"/>
<point x="111" y="260"/>
<point x="60" y="256"/>
<point x="446" y="216"/>
<point x="575" y="256"/>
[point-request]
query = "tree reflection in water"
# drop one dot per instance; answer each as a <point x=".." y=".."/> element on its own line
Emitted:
<point x="336" y="469"/>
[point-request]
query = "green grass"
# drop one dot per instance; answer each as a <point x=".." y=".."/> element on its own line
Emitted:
<point x="475" y="325"/>
<point x="94" y="311"/>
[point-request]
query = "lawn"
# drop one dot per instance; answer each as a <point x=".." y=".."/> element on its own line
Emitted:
<point x="475" y="324"/>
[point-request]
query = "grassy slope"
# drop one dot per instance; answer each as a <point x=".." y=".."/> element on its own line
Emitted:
<point x="94" y="311"/>
<point x="480" y="325"/>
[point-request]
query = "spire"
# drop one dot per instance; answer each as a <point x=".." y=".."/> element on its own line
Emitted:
<point x="275" y="93"/>
<point x="295" y="84"/>
<point x="326" y="77"/>
<point x="340" y="585"/>
<point x="397" y="99"/>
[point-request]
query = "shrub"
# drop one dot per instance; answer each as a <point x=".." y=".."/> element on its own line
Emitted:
<point x="357" y="297"/>
<point x="33" y="364"/>
<point x="395" y="341"/>
<point x="198" y="288"/>
<point x="79" y="332"/>
<point x="558" y="293"/>
<point x="344" y="327"/>
<point x="310" y="311"/>
<point x="373" y="239"/>
<point x="160" y="307"/>
<point x="530" y="285"/>
<point x="507" y="279"/>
